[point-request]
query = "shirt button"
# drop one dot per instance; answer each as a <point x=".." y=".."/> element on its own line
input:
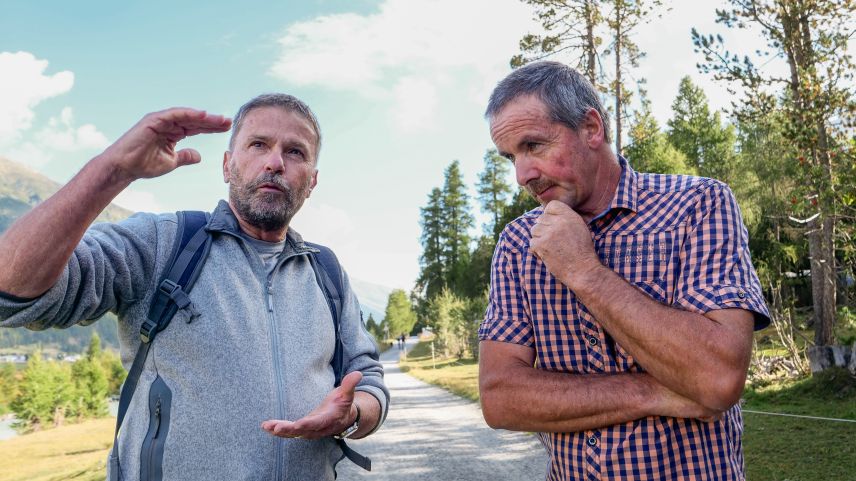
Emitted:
<point x="592" y="341"/>
<point x="741" y="294"/>
<point x="592" y="441"/>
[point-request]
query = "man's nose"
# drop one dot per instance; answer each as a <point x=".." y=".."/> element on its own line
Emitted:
<point x="525" y="170"/>
<point x="274" y="162"/>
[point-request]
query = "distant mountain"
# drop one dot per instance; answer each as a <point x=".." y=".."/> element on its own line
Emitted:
<point x="373" y="298"/>
<point x="21" y="189"/>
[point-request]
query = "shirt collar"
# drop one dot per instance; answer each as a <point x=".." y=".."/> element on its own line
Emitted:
<point x="625" y="192"/>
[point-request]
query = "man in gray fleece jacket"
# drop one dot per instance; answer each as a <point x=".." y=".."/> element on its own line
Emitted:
<point x="244" y="389"/>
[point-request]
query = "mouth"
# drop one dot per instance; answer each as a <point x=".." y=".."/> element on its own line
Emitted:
<point x="270" y="187"/>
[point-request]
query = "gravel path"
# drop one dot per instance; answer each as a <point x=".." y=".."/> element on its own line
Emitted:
<point x="431" y="434"/>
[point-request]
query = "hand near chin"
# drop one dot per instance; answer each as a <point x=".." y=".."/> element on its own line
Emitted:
<point x="562" y="240"/>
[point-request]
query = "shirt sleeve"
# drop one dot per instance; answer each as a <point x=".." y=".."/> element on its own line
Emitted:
<point x="111" y="268"/>
<point x="507" y="318"/>
<point x="716" y="268"/>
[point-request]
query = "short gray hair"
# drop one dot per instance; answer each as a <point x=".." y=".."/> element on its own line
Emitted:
<point x="567" y="94"/>
<point x="289" y="103"/>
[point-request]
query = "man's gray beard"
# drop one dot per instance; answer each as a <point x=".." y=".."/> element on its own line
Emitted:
<point x="268" y="211"/>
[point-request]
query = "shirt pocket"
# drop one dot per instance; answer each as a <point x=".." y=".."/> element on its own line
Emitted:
<point x="644" y="259"/>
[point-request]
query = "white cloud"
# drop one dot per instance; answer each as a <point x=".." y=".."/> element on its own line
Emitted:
<point x="61" y="134"/>
<point x="407" y="53"/>
<point x="23" y="85"/>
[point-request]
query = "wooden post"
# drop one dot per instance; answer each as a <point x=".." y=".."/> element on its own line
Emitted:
<point x="433" y="362"/>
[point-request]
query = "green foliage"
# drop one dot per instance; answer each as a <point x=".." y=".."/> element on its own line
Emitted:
<point x="494" y="191"/>
<point x="455" y="321"/>
<point x="699" y="134"/>
<point x="49" y="392"/>
<point x="8" y="386"/>
<point x="432" y="277"/>
<point x="44" y="394"/>
<point x="457" y="222"/>
<point x="399" y="313"/>
<point x="650" y="150"/>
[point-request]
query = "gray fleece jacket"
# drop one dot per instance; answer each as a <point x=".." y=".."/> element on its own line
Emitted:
<point x="260" y="350"/>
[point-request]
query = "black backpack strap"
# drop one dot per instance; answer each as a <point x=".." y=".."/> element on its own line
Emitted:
<point x="191" y="246"/>
<point x="329" y="278"/>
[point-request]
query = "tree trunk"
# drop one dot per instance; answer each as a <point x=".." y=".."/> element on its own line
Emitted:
<point x="591" y="48"/>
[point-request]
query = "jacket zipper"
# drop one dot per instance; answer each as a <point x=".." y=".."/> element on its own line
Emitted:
<point x="277" y="370"/>
<point x="153" y="445"/>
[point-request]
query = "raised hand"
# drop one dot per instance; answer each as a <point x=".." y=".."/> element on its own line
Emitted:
<point x="335" y="413"/>
<point x="562" y="240"/>
<point x="148" y="148"/>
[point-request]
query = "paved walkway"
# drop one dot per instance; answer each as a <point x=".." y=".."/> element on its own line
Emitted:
<point x="431" y="434"/>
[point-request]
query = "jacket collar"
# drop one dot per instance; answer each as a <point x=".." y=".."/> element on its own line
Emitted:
<point x="223" y="220"/>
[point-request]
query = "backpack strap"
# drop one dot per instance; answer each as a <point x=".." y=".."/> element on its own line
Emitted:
<point x="328" y="274"/>
<point x="190" y="248"/>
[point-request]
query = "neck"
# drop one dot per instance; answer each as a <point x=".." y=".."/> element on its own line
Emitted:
<point x="606" y="183"/>
<point x="255" y="232"/>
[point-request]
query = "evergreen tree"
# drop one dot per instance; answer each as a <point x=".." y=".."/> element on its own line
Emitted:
<point x="699" y="134"/>
<point x="818" y="105"/>
<point x="90" y="382"/>
<point x="44" y="394"/>
<point x="650" y="150"/>
<point x="494" y="191"/>
<point x="458" y="220"/>
<point x="432" y="277"/>
<point x="373" y="327"/>
<point x="571" y="26"/>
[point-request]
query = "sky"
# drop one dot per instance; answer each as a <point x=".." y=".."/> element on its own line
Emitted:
<point x="399" y="88"/>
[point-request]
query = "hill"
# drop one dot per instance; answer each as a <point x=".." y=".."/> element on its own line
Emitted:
<point x="21" y="189"/>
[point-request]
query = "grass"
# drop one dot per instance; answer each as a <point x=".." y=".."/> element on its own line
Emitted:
<point x="459" y="376"/>
<point x="75" y="451"/>
<point x="775" y="448"/>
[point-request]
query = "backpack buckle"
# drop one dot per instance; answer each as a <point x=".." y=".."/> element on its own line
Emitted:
<point x="147" y="330"/>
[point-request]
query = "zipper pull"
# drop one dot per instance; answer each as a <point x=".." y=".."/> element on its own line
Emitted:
<point x="157" y="418"/>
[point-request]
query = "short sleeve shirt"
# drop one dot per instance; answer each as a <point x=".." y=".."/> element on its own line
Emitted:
<point x="681" y="241"/>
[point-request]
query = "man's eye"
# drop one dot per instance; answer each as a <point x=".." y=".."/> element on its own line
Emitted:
<point x="296" y="152"/>
<point x="257" y="144"/>
<point x="532" y="145"/>
<point x="509" y="157"/>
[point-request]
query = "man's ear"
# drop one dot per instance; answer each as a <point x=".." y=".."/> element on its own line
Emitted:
<point x="313" y="183"/>
<point x="227" y="173"/>
<point x="593" y="129"/>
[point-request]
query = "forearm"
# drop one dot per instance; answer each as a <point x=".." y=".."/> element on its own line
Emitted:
<point x="37" y="247"/>
<point x="516" y="396"/>
<point x="370" y="413"/>
<point x="689" y="353"/>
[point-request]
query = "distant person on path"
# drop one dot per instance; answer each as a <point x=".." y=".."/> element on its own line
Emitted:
<point x="621" y="311"/>
<point x="253" y="348"/>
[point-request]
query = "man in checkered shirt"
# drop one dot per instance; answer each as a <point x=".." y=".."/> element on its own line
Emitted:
<point x="621" y="311"/>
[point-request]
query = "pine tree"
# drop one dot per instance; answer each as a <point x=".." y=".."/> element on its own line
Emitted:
<point x="432" y="277"/>
<point x="650" y="150"/>
<point x="494" y="191"/>
<point x="571" y="26"/>
<point x="700" y="135"/>
<point x="44" y="394"/>
<point x="818" y="105"/>
<point x="458" y="220"/>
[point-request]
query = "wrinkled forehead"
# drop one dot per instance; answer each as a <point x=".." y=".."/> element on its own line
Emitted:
<point x="523" y="112"/>
<point x="277" y="123"/>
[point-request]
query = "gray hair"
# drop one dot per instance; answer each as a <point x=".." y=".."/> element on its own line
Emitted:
<point x="289" y="103"/>
<point x="567" y="94"/>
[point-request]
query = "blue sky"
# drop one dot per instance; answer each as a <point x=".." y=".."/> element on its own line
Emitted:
<point x="399" y="87"/>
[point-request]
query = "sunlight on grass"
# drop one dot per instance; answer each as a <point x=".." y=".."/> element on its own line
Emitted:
<point x="460" y="376"/>
<point x="75" y="451"/>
